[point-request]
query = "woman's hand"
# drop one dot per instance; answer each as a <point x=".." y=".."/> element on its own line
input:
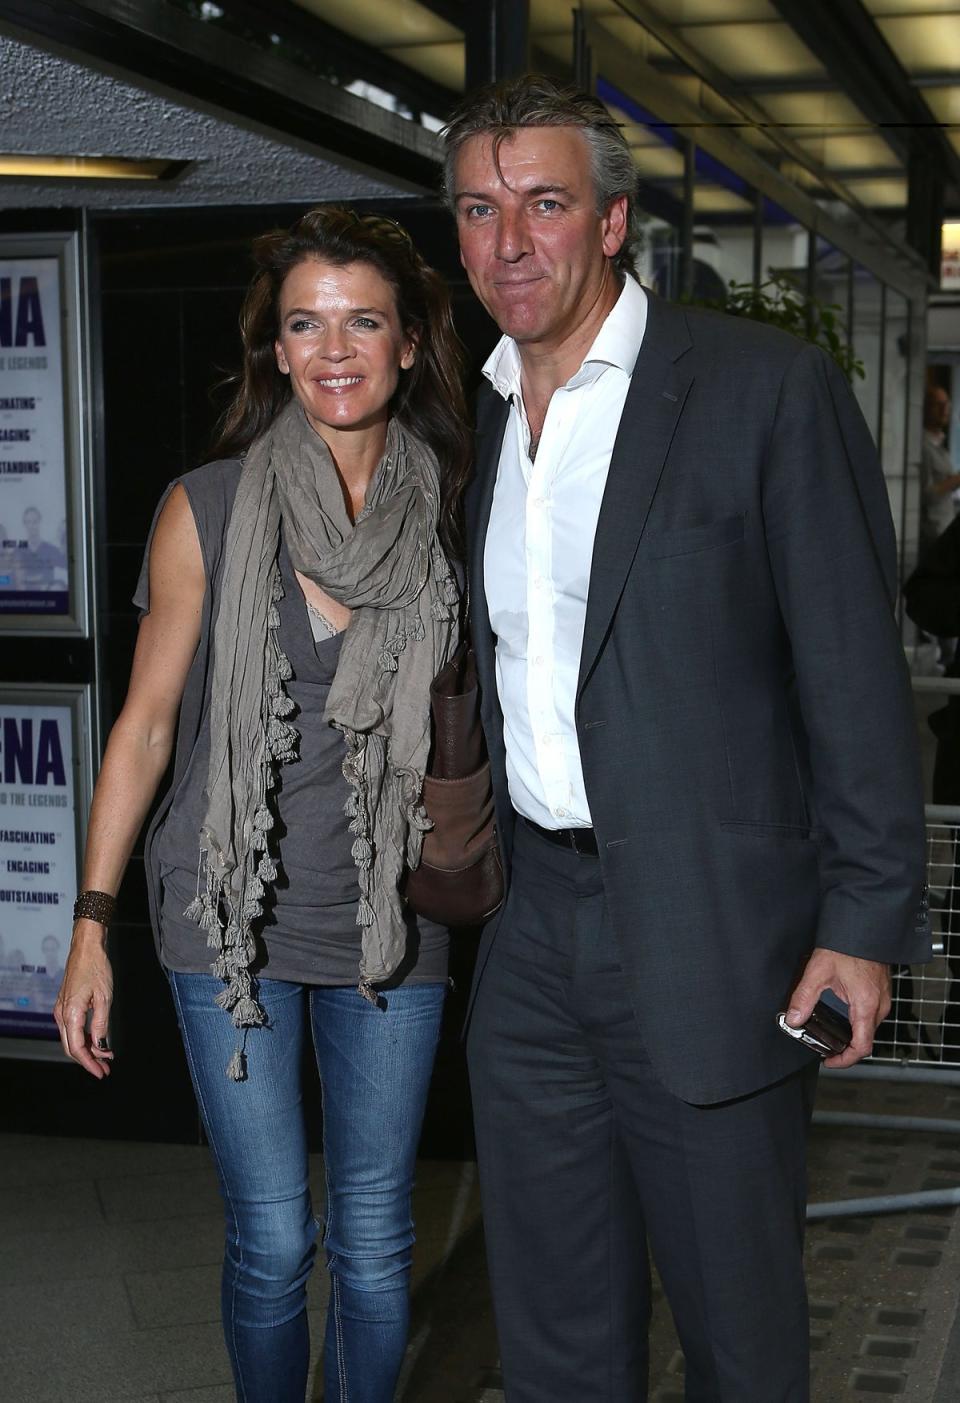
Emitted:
<point x="87" y="988"/>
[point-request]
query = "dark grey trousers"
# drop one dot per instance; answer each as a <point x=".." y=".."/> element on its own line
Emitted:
<point x="585" y="1158"/>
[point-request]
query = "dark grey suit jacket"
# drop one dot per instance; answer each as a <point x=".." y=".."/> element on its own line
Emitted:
<point x="743" y="710"/>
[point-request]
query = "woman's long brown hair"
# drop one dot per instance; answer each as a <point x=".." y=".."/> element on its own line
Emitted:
<point x="429" y="399"/>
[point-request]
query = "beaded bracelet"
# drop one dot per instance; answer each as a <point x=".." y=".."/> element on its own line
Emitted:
<point x="95" y="906"/>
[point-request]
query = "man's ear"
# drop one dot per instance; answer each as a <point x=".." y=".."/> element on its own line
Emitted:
<point x="614" y="226"/>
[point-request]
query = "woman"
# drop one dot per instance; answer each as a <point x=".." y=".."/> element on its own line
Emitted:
<point x="296" y="602"/>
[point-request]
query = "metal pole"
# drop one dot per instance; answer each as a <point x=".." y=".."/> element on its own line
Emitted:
<point x="686" y="227"/>
<point x="884" y="1203"/>
<point x="497" y="36"/>
<point x="858" y="1120"/>
<point x="909" y="1073"/>
<point x="582" y="57"/>
<point x="757" y="240"/>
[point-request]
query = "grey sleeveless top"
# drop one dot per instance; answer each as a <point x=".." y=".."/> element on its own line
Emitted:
<point x="309" y="933"/>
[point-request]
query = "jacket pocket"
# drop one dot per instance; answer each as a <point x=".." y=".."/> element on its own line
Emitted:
<point x="687" y="540"/>
<point x="791" y="832"/>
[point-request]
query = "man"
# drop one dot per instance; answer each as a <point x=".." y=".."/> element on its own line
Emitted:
<point x="938" y="483"/>
<point x="938" y="478"/>
<point x="700" y="728"/>
<point x="42" y="563"/>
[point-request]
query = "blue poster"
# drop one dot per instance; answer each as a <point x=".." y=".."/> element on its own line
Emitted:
<point x="34" y="550"/>
<point x="38" y="862"/>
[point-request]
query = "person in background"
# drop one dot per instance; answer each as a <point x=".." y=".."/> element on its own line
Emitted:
<point x="938" y="477"/>
<point x="297" y="598"/>
<point x="939" y="480"/>
<point x="42" y="564"/>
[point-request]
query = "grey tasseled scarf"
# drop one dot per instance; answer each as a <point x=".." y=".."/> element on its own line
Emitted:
<point x="391" y="571"/>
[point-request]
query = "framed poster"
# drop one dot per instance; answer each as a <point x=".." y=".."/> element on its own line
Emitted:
<point x="45" y="788"/>
<point x="43" y="554"/>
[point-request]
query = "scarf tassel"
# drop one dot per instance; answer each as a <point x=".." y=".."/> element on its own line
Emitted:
<point x="237" y="1066"/>
<point x="281" y="738"/>
<point x="280" y="703"/>
<point x="195" y="910"/>
<point x="248" y="1014"/>
<point x="362" y="852"/>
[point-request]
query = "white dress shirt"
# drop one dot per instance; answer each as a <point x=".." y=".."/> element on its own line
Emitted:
<point x="538" y="553"/>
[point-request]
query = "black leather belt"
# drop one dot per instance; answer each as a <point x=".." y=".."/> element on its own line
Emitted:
<point x="581" y="840"/>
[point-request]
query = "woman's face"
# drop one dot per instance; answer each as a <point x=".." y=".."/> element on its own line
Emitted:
<point x="341" y="343"/>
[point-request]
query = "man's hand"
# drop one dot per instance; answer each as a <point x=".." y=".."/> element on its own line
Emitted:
<point x="864" y="985"/>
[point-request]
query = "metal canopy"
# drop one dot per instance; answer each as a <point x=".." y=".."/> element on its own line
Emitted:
<point x="857" y="103"/>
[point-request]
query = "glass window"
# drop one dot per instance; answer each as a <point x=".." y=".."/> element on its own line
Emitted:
<point x="658" y="153"/>
<point x="785" y="245"/>
<point x="723" y="228"/>
<point x="831" y="284"/>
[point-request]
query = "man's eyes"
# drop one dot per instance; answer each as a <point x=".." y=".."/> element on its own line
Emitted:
<point x="546" y="205"/>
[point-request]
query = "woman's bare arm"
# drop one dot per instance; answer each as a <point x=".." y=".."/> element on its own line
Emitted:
<point x="136" y="758"/>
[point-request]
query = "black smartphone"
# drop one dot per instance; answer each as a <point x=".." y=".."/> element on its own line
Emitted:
<point x="827" y="1030"/>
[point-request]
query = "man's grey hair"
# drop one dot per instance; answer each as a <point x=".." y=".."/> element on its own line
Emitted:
<point x="534" y="100"/>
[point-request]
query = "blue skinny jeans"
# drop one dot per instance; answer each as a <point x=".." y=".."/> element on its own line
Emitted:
<point x="375" y="1065"/>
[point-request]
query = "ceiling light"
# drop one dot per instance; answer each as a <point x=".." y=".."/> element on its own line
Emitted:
<point x="88" y="168"/>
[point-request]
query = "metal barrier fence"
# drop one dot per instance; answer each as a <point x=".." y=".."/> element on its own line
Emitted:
<point x="920" y="1039"/>
<point x="924" y="1022"/>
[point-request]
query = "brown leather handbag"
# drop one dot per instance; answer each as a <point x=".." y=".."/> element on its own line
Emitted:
<point x="459" y="881"/>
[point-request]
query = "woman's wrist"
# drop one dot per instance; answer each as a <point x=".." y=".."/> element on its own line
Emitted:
<point x="93" y="905"/>
<point x="86" y="931"/>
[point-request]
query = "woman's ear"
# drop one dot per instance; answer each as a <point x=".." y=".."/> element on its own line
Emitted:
<point x="410" y="354"/>
<point x="282" y="365"/>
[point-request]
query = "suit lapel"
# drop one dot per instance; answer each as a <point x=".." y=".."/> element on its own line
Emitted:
<point x="655" y="400"/>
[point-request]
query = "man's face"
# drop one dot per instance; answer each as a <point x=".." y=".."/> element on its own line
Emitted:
<point x="938" y="409"/>
<point x="534" y="248"/>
